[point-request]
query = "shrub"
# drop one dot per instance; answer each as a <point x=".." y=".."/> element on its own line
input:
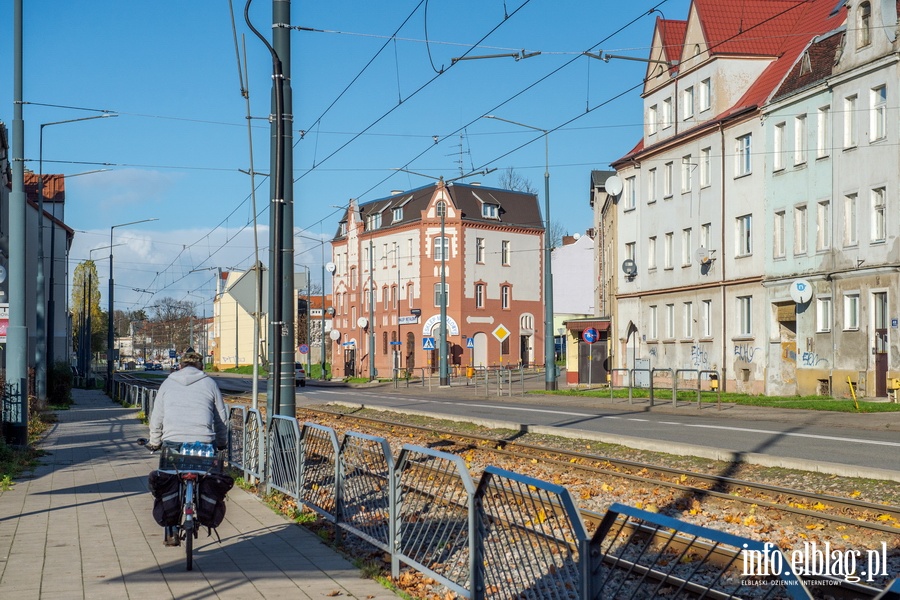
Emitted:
<point x="59" y="387"/>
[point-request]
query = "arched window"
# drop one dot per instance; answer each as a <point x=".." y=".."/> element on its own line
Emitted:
<point x="863" y="25"/>
<point x="441" y="209"/>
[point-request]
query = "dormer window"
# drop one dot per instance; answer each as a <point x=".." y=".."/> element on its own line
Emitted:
<point x="397" y="214"/>
<point x="490" y="211"/>
<point x="343" y="227"/>
<point x="373" y="221"/>
<point x="805" y="64"/>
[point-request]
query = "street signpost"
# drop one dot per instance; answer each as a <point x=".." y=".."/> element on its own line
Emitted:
<point x="590" y="335"/>
<point x="304" y="349"/>
<point x="428" y="343"/>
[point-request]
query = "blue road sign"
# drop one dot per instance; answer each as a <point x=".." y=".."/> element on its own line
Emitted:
<point x="590" y="335"/>
<point x="396" y="343"/>
<point x="303" y="348"/>
<point x="470" y="342"/>
<point x="427" y="343"/>
<point x="171" y="354"/>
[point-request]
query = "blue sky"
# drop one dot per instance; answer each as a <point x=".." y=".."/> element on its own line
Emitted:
<point x="175" y="152"/>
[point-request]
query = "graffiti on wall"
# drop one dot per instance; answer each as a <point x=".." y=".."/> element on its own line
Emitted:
<point x="745" y="352"/>
<point x="699" y="357"/>
<point x="789" y="351"/>
<point x="811" y="359"/>
<point x="653" y="351"/>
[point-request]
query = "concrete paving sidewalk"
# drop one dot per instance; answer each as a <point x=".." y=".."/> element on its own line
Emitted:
<point x="80" y="527"/>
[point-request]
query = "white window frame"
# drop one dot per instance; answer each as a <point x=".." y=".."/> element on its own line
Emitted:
<point x="686" y="246"/>
<point x="706" y="235"/>
<point x="651" y="325"/>
<point x="706" y="308"/>
<point x="668" y="249"/>
<point x="799" y="140"/>
<point x="705" y="167"/>
<point x="823" y="314"/>
<point x="479" y="250"/>
<point x="823" y="225"/>
<point x="743" y="155"/>
<point x="878" y="119"/>
<point x="437" y="294"/>
<point x="879" y="217"/>
<point x="479" y="295"/>
<point x="441" y="245"/>
<point x="652" y="120"/>
<point x="397" y="215"/>
<point x="705" y="95"/>
<point x="778" y="147"/>
<point x="850" y="129"/>
<point x="489" y="211"/>
<point x="667" y="113"/>
<point x="823" y="132"/>
<point x="505" y="252"/>
<point x="630" y="192"/>
<point x="667" y="179"/>
<point x="651" y="252"/>
<point x="687" y="103"/>
<point x="505" y="296"/>
<point x="651" y="186"/>
<point x="745" y="315"/>
<point x="851" y="311"/>
<point x="744" y="233"/>
<point x="688" y="320"/>
<point x="670" y="321"/>
<point x="864" y="25"/>
<point x="630" y="251"/>
<point x="851" y="225"/>
<point x="778" y="248"/>
<point x="686" y="169"/>
<point x="800" y="229"/>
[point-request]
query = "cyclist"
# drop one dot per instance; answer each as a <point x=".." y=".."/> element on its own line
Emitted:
<point x="188" y="408"/>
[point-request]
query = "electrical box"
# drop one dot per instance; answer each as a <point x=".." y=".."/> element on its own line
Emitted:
<point x="893" y="383"/>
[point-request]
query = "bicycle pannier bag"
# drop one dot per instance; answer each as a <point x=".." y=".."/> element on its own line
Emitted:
<point x="166" y="490"/>
<point x="211" y="498"/>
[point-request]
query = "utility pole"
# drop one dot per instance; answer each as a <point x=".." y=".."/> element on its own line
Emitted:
<point x="371" y="310"/>
<point x="15" y="413"/>
<point x="444" y="370"/>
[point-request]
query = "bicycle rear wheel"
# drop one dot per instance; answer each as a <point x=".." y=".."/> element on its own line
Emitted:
<point x="189" y="545"/>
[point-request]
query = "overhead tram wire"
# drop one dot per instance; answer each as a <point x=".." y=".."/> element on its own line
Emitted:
<point x="519" y="93"/>
<point x="358" y="75"/>
<point x="412" y="95"/>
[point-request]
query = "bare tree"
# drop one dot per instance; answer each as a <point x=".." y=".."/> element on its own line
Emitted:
<point x="510" y="179"/>
<point x="171" y="323"/>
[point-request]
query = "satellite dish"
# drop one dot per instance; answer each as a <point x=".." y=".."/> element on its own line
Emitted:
<point x="702" y="255"/>
<point x="577" y="236"/>
<point x="2" y="273"/>
<point x="629" y="267"/>
<point x="330" y="267"/>
<point x="362" y="322"/>
<point x="330" y="311"/>
<point x="613" y="186"/>
<point x="335" y="335"/>
<point x="889" y="18"/>
<point x="801" y="291"/>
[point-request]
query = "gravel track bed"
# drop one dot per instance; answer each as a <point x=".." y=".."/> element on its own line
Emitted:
<point x="597" y="492"/>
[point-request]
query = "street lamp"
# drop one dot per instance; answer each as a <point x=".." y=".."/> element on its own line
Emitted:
<point x="549" y="343"/>
<point x="44" y="321"/>
<point x="109" y="333"/>
<point x="86" y="333"/>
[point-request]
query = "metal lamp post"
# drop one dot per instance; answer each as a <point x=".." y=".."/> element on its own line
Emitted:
<point x="109" y="333"/>
<point x="444" y="370"/>
<point x="550" y="382"/>
<point x="322" y="248"/>
<point x="44" y="321"/>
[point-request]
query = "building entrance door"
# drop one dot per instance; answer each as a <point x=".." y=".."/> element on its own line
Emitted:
<point x="881" y="343"/>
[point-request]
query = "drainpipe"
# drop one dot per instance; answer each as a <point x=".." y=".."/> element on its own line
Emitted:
<point x="724" y="311"/>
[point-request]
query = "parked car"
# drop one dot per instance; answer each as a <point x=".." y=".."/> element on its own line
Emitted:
<point x="299" y="375"/>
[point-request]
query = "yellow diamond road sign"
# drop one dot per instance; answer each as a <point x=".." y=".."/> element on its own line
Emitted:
<point x="501" y="333"/>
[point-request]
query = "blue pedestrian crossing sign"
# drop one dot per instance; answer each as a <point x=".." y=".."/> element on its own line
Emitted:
<point x="427" y="343"/>
<point x="470" y="342"/>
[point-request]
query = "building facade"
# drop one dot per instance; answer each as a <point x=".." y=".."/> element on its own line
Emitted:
<point x="703" y="202"/>
<point x="475" y="250"/>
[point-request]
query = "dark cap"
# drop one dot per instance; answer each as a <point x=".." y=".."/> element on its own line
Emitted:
<point x="191" y="358"/>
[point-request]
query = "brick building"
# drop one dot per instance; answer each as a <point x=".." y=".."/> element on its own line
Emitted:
<point x="388" y="255"/>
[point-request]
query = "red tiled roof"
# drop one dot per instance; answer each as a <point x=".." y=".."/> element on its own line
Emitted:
<point x="54" y="187"/>
<point x="672" y="34"/>
<point x="777" y="28"/>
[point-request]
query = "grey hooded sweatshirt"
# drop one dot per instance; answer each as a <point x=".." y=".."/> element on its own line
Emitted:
<point x="189" y="408"/>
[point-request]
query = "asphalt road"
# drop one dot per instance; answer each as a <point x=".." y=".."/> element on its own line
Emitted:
<point x="866" y="445"/>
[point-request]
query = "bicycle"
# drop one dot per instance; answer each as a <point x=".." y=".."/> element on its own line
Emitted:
<point x="188" y="461"/>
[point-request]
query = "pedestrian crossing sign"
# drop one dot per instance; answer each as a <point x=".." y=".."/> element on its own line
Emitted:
<point x="428" y="343"/>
